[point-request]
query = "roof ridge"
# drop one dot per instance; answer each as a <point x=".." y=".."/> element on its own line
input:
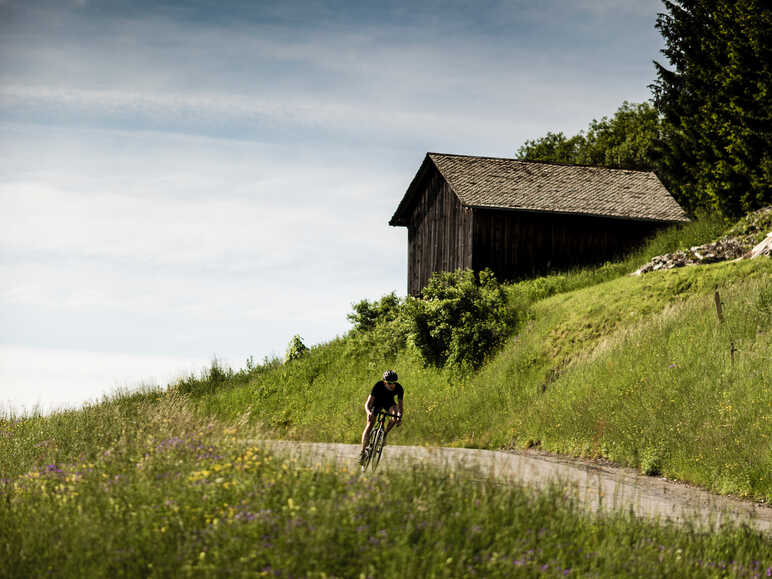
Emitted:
<point x="527" y="161"/>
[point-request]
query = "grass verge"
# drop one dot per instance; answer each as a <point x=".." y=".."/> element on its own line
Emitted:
<point x="155" y="490"/>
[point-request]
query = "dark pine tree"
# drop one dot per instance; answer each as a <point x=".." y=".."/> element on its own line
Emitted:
<point x="716" y="102"/>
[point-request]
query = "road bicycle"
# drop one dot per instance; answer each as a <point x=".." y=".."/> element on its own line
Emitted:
<point x="374" y="446"/>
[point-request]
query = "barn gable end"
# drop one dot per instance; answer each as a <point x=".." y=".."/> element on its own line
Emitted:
<point x="439" y="228"/>
<point x="520" y="218"/>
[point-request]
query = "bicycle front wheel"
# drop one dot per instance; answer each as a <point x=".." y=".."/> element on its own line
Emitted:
<point x="370" y="449"/>
<point x="380" y="440"/>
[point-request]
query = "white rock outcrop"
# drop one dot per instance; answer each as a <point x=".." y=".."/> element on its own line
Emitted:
<point x="763" y="248"/>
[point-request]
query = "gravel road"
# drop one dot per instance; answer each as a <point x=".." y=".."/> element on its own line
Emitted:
<point x="598" y="486"/>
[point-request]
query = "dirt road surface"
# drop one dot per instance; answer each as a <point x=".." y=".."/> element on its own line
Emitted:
<point x="599" y="487"/>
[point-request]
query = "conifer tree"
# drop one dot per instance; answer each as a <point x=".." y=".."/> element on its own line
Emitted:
<point x="716" y="102"/>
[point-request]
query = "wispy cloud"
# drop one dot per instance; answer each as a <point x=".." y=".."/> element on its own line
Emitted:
<point x="185" y="179"/>
<point x="398" y="79"/>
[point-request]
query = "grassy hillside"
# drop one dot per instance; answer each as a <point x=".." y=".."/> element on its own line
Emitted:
<point x="636" y="370"/>
<point x="633" y="369"/>
<point x="143" y="486"/>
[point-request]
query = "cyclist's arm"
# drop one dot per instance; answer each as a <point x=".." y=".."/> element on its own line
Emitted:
<point x="369" y="404"/>
<point x="400" y="408"/>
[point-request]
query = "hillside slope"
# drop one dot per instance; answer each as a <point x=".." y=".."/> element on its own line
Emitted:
<point x="635" y="370"/>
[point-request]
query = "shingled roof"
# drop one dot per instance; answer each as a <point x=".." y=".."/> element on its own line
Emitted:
<point x="497" y="183"/>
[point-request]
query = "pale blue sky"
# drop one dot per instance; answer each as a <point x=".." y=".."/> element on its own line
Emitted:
<point x="183" y="180"/>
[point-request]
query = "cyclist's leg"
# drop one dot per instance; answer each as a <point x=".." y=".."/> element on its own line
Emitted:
<point x="368" y="428"/>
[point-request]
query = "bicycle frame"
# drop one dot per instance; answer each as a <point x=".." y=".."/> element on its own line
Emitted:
<point x="376" y="440"/>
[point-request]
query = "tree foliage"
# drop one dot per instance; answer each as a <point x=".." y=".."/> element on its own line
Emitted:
<point x="716" y="100"/>
<point x="628" y="140"/>
<point x="553" y="148"/>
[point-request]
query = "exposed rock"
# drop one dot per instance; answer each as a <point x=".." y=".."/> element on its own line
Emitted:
<point x="754" y="227"/>
<point x="763" y="248"/>
<point x="737" y="244"/>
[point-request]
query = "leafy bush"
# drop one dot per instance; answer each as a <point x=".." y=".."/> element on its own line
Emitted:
<point x="296" y="349"/>
<point x="367" y="315"/>
<point x="460" y="319"/>
<point x="379" y="327"/>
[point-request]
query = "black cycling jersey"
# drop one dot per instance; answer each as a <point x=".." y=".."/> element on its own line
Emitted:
<point x="384" y="398"/>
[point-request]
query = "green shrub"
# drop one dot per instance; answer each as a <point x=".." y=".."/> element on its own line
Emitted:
<point x="367" y="315"/>
<point x="296" y="349"/>
<point x="651" y="462"/>
<point x="380" y="328"/>
<point x="461" y="318"/>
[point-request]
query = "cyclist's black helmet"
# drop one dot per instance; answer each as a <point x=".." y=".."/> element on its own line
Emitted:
<point x="389" y="376"/>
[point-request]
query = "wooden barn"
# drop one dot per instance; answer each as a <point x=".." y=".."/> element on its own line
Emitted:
<point x="521" y="218"/>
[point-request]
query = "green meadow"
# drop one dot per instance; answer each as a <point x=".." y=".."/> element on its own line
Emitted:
<point x="637" y="370"/>
<point x="142" y="485"/>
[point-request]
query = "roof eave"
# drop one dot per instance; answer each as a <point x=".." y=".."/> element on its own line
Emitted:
<point x="582" y="213"/>
<point x="400" y="217"/>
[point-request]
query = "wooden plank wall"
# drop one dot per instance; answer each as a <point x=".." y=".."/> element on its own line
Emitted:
<point x="445" y="236"/>
<point x="439" y="233"/>
<point x="518" y="244"/>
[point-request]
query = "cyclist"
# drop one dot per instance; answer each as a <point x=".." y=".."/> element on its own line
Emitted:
<point x="382" y="398"/>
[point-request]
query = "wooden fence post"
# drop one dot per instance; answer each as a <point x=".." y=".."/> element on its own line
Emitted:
<point x="718" y="307"/>
<point x="720" y="314"/>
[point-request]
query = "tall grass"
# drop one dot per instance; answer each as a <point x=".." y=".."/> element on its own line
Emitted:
<point x="671" y="396"/>
<point x="549" y="387"/>
<point x="164" y="493"/>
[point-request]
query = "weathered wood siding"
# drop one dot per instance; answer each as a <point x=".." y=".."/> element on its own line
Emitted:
<point x="439" y="233"/>
<point x="518" y="244"/>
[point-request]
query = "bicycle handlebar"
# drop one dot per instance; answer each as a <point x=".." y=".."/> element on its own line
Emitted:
<point x="382" y="413"/>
